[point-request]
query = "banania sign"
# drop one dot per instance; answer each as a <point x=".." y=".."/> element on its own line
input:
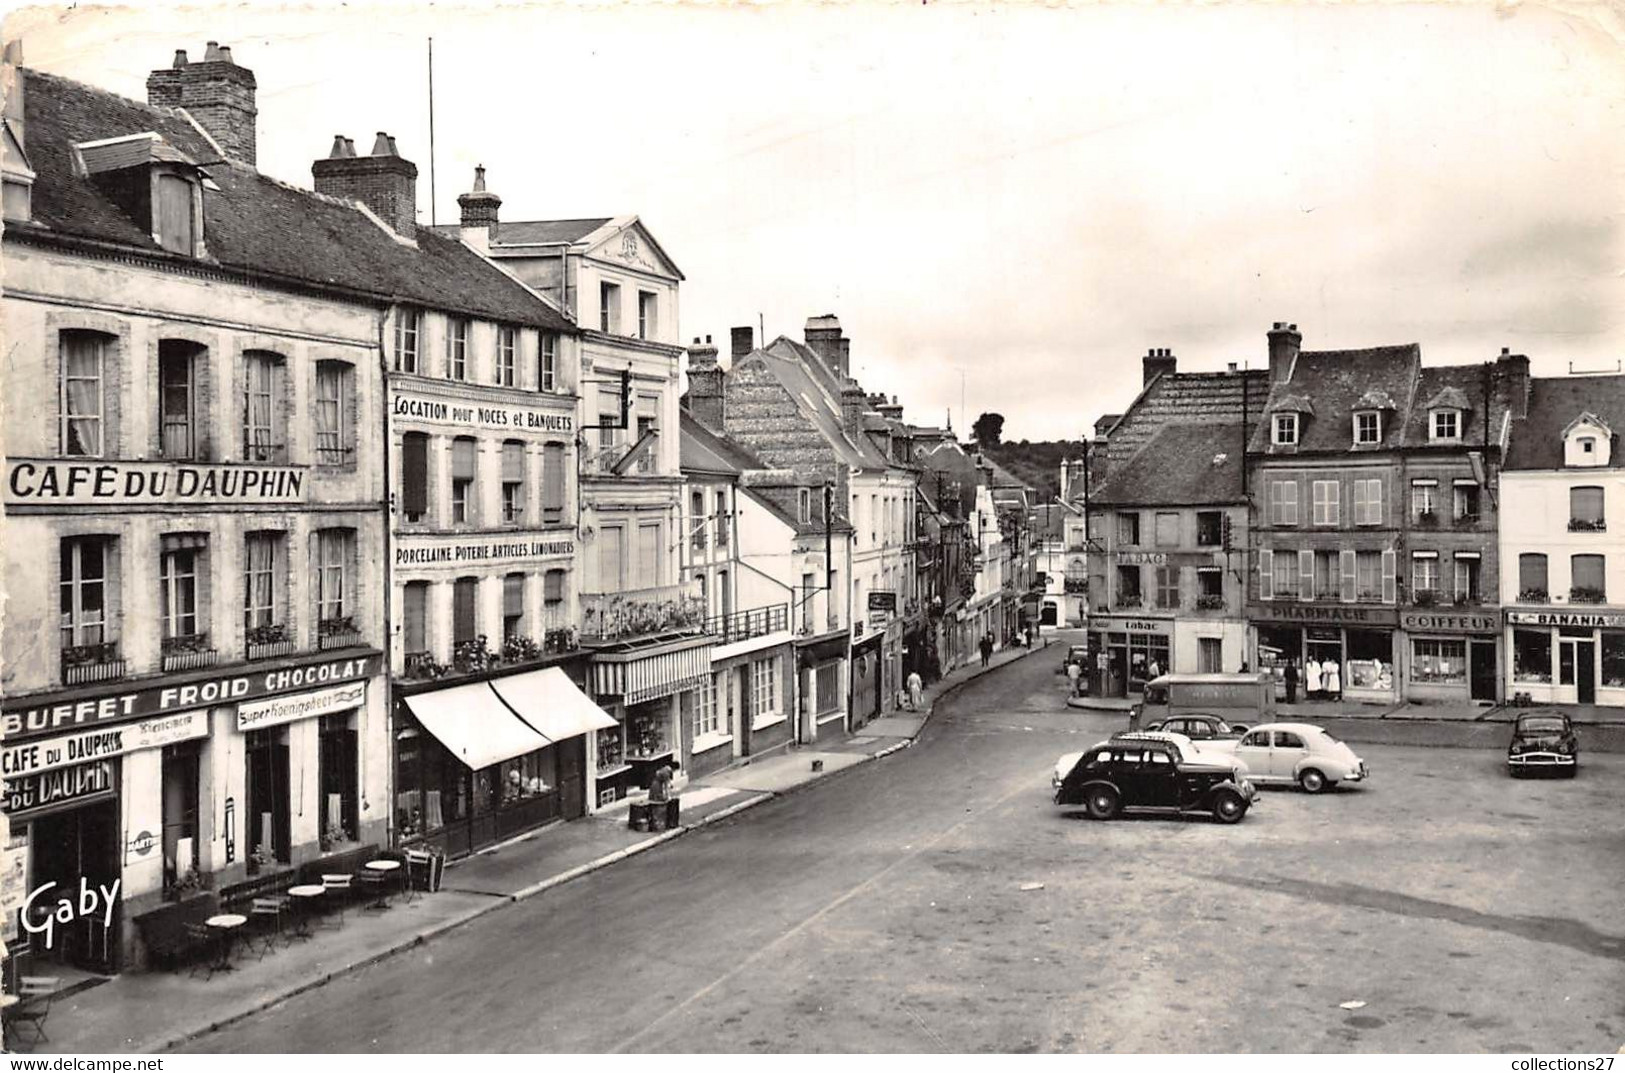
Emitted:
<point x="1567" y="618"/>
<point x="56" y="482"/>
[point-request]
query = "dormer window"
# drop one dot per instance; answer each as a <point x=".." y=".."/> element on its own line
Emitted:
<point x="18" y="174"/>
<point x="1587" y="442"/>
<point x="1367" y="427"/>
<point x="172" y="218"/>
<point x="155" y="184"/>
<point x="1444" y="425"/>
<point x="1286" y="430"/>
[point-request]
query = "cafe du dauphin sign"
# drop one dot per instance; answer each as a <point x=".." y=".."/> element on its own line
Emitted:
<point x="48" y="482"/>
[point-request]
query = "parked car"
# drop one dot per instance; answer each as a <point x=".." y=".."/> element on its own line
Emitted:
<point x="1301" y="753"/>
<point x="1543" y="740"/>
<point x="1201" y="727"/>
<point x="1080" y="653"/>
<point x="1136" y="772"/>
<point x="1191" y="750"/>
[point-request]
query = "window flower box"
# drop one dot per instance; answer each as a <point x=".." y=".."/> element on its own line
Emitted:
<point x="1209" y="602"/>
<point x="1533" y="596"/>
<point x="1425" y="598"/>
<point x="1585" y="594"/>
<point x="1588" y="525"/>
<point x="1427" y="519"/>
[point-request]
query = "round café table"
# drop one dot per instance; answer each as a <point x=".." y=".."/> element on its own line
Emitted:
<point x="307" y="894"/>
<point x="383" y="867"/>
<point x="226" y="924"/>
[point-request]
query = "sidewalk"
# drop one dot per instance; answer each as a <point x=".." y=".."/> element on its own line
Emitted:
<point x="155" y="1011"/>
<point x="1462" y="712"/>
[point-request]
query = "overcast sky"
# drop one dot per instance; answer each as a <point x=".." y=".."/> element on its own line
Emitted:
<point x="1030" y="197"/>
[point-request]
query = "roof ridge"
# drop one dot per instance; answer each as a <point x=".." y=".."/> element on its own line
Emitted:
<point x="157" y="109"/>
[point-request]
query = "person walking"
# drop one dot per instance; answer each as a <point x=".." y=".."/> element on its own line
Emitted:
<point x="660" y="794"/>
<point x="1291" y="676"/>
<point x="1311" y="679"/>
<point x="1074" y="674"/>
<point x="916" y="691"/>
<point x="1332" y="679"/>
<point x="986" y="648"/>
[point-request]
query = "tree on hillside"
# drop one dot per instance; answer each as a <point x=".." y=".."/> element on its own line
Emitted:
<point x="987" y="429"/>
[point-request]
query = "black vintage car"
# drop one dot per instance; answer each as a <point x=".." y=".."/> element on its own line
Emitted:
<point x="1134" y="772"/>
<point x="1543" y="741"/>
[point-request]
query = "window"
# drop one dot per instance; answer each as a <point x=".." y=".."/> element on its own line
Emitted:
<point x="1424" y="572"/>
<point x="809" y="587"/>
<point x="84" y="579"/>
<point x="408" y="324"/>
<point x="553" y="483"/>
<point x="507" y="355"/>
<point x="1586" y="581"/>
<point x="1465" y="506"/>
<point x="1424" y="497"/>
<point x="804" y="504"/>
<point x="1467" y="584"/>
<point x="415" y="616"/>
<point x="513" y="606"/>
<point x="1167" y="530"/>
<point x="513" y="482"/>
<point x="764" y="689"/>
<point x="84" y="360"/>
<point x="646" y="315"/>
<point x="1168" y="586"/>
<point x="1325" y="568"/>
<point x="457" y="348"/>
<point x="338" y="767"/>
<point x="609" y="308"/>
<point x="462" y="480"/>
<point x="1532" y="584"/>
<point x="1209" y="528"/>
<point x="178" y="577"/>
<point x="1285" y="575"/>
<point x="1128" y="586"/>
<point x="267" y="790"/>
<point x="1128" y="528"/>
<point x="1368" y="427"/>
<point x="263" y="374"/>
<point x="263" y="564"/>
<point x="553" y="599"/>
<point x="1210" y="583"/>
<point x="1439" y="662"/>
<point x="722" y="518"/>
<point x="1586" y="509"/>
<point x="1446" y="424"/>
<point x="611" y="558"/>
<point x="649" y="557"/>
<point x="1209" y="655"/>
<point x="335" y="424"/>
<point x="829" y="688"/>
<point x="335" y="558"/>
<point x="1326" y="502"/>
<point x="173" y="218"/>
<point x="874" y="520"/>
<point x="177" y="398"/>
<point x="1287" y="740"/>
<point x="1368" y="501"/>
<point x="1613" y="659"/>
<point x="1286" y="429"/>
<point x="1532" y="656"/>
<point x="1284" y="502"/>
<point x="697" y="520"/>
<point x="415" y="476"/>
<point x="464" y="620"/>
<point x="180" y="808"/>
<point x="705" y="707"/>
<point x="547" y="373"/>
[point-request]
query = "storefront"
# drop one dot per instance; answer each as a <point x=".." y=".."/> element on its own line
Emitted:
<point x="1127" y="652"/>
<point x="1567" y="657"/>
<point x="640" y="689"/>
<point x="866" y="675"/>
<point x="1454" y="655"/>
<point x="483" y="761"/>
<point x="1360" y="644"/>
<point x="821" y="664"/>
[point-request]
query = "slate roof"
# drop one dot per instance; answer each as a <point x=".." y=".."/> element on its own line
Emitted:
<point x="1461" y="387"/>
<point x="538" y="232"/>
<point x="1554" y="402"/>
<point x="806" y="378"/>
<point x="1335" y="381"/>
<point x="703" y="451"/>
<point x="1182" y="465"/>
<point x="253" y="225"/>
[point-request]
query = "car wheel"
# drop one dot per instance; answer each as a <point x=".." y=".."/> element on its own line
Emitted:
<point x="1311" y="780"/>
<point x="1228" y="807"/>
<point x="1103" y="803"/>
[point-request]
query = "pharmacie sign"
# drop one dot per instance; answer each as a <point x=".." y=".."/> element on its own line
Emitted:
<point x="77" y="785"/>
<point x="454" y="549"/>
<point x="24" y="721"/>
<point x="266" y="713"/>
<point x="1336" y="613"/>
<point x="57" y="483"/>
<point x="31" y="757"/>
<point x="480" y="415"/>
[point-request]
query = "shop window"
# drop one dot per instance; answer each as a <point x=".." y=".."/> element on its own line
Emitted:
<point x="180" y="811"/>
<point x="179" y="363"/>
<point x="530" y="776"/>
<point x="1167" y="529"/>
<point x="1586" y="510"/>
<point x="1168" y="587"/>
<point x="462" y="480"/>
<point x="611" y="743"/>
<point x="507" y="355"/>
<point x="1532" y="656"/>
<point x="415" y="476"/>
<point x="339" y="762"/>
<point x="513" y="607"/>
<point x="1368" y="501"/>
<point x="1370" y="661"/>
<point x="1283" y="502"/>
<point x="1148" y="658"/>
<point x="181" y="577"/>
<point x="646" y="730"/>
<point x="829" y="688"/>
<point x="415" y="621"/>
<point x="553" y="483"/>
<point x="464" y="619"/>
<point x="1587" y="581"/>
<point x="547" y="375"/>
<point x="267" y="792"/>
<point x="1128" y="528"/>
<point x="513" y="482"/>
<point x="1438" y="662"/>
<point x="408" y="327"/>
<point x="83" y="392"/>
<point x="1613" y="659"/>
<point x="1532" y="584"/>
<point x="1128" y="586"/>
<point x="335" y="413"/>
<point x="1466" y="502"/>
<point x="1327" y="505"/>
<point x="457" y="348"/>
<point x="265" y="378"/>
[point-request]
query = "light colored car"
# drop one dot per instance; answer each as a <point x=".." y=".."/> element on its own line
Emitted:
<point x="1191" y="750"/>
<point x="1284" y="754"/>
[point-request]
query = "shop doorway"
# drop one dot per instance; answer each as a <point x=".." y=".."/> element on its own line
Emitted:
<point x="66" y="847"/>
<point x="1482" y="670"/>
<point x="1577" y="667"/>
<point x="573" y="777"/>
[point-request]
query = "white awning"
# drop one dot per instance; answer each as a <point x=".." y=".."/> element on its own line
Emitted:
<point x="551" y="704"/>
<point x="474" y="725"/>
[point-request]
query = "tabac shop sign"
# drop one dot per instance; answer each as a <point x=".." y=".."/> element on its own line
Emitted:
<point x="57" y="483"/>
<point x="469" y="415"/>
<point x="22" y="722"/>
<point x="431" y="551"/>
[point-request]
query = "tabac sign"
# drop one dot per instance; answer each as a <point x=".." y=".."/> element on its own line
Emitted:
<point x="55" y="482"/>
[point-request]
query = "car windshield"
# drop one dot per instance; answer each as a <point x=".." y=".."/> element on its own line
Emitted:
<point x="1542" y="725"/>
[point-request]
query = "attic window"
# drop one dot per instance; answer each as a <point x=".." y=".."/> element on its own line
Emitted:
<point x="1445" y="425"/>
<point x="1286" y="430"/>
<point x="1368" y="427"/>
<point x="174" y="222"/>
<point x="1588" y="445"/>
<point x="804" y="504"/>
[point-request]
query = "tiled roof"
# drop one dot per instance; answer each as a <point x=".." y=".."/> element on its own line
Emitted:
<point x="703" y="451"/>
<point x="1183" y="465"/>
<point x="807" y="380"/>
<point x="1456" y="387"/>
<point x="1554" y="402"/>
<point x="253" y="224"/>
<point x="1335" y="381"/>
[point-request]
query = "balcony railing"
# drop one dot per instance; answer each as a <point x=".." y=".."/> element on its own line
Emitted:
<point x="1588" y="525"/>
<point x="422" y="665"/>
<point x="1467" y="521"/>
<point x="337" y="633"/>
<point x="1210" y="601"/>
<point x="609" y="616"/>
<point x="1426" y="598"/>
<point x="268" y="642"/>
<point x="91" y="663"/>
<point x="1585" y="594"/>
<point x="743" y="625"/>
<point x="1534" y="596"/>
<point x="187" y="652"/>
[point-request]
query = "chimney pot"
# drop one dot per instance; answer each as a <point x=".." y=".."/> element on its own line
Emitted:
<point x="349" y="147"/>
<point x="180" y="58"/>
<point x="380" y="145"/>
<point x="383" y="181"/>
<point x="707" y="340"/>
<point x="217" y="93"/>
<point x="212" y="53"/>
<point x="1505" y="351"/>
<point x="706" y="386"/>
<point x="338" y="147"/>
<point x="225" y="54"/>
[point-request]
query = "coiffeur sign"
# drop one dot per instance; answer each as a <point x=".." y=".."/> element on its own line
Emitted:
<point x="55" y="483"/>
<point x="28" y="719"/>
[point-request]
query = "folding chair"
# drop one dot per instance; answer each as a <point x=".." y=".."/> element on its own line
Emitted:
<point x="200" y="947"/>
<point x="266" y="914"/>
<point x="418" y="863"/>
<point x="339" y="885"/>
<point x="34" y="1005"/>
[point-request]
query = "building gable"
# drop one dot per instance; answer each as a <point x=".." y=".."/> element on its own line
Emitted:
<point x="624" y="241"/>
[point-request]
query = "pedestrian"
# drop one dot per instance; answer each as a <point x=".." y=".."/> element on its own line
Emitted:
<point x="916" y="691"/>
<point x="1291" y="682"/>
<point x="1153" y="670"/>
<point x="660" y="794"/>
<point x="1332" y="679"/>
<point x="1074" y="674"/>
<point x="1311" y="679"/>
<point x="986" y="648"/>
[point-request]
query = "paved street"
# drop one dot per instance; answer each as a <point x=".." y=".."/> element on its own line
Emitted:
<point x="882" y="910"/>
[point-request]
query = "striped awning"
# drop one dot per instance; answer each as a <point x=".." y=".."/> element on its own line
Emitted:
<point x="635" y="677"/>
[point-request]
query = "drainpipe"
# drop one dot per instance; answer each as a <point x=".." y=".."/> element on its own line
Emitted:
<point x="388" y="591"/>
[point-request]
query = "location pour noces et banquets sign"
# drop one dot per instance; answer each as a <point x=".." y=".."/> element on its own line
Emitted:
<point x="24" y="721"/>
<point x="62" y="482"/>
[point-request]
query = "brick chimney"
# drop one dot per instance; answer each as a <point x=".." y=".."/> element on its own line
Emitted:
<point x="853" y="404"/>
<point x="743" y="341"/>
<point x="706" y="385"/>
<point x="823" y="336"/>
<point x="479" y="211"/>
<point x="1284" y="345"/>
<point x="384" y="181"/>
<point x="892" y="409"/>
<point x="1512" y="370"/>
<point x="1157" y="362"/>
<point x="217" y="93"/>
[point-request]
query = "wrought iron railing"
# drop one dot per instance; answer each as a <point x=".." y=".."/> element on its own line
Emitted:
<point x="743" y="625"/>
<point x="609" y="616"/>
<point x="188" y="651"/>
<point x="1586" y="594"/>
<point x="91" y="663"/>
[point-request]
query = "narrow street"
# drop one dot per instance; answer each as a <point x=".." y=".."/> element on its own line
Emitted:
<point x="882" y="910"/>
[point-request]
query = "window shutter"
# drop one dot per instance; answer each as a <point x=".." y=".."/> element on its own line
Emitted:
<point x="553" y="586"/>
<point x="553" y="482"/>
<point x="1346" y="560"/>
<point x="1306" y="575"/>
<point x="1289" y="503"/>
<point x="1360" y="502"/>
<point x="1374" y="501"/>
<point x="1390" y="583"/>
<point x="1531" y="571"/>
<point x="175" y="214"/>
<point x="462" y="459"/>
<point x="513" y="461"/>
<point x="416" y="613"/>
<point x="1275" y="502"/>
<point x="1266" y="575"/>
<point x="1334" y="502"/>
<point x="415" y="473"/>
<point x="513" y="595"/>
